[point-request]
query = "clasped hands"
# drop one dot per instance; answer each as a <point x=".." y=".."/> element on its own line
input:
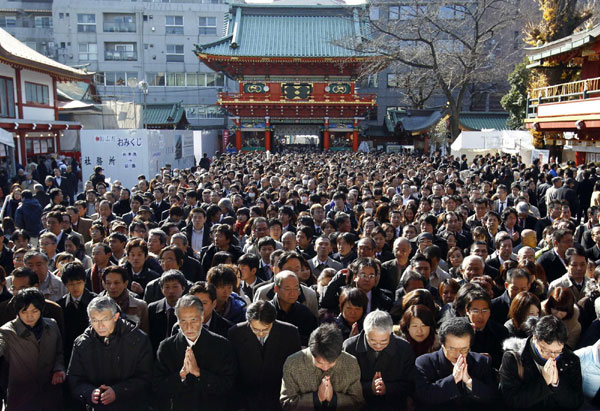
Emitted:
<point x="325" y="392"/>
<point x="460" y="371"/>
<point x="190" y="366"/>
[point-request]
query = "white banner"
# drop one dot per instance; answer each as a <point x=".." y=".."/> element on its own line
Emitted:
<point x="543" y="155"/>
<point x="125" y="154"/>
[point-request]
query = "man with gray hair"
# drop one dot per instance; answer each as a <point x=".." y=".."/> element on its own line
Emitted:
<point x="471" y="267"/>
<point x="111" y="364"/>
<point x="387" y="362"/>
<point x="194" y="369"/>
<point x="50" y="284"/>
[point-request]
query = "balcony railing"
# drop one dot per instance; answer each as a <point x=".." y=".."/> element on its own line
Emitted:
<point x="119" y="27"/>
<point x="575" y="90"/>
<point x="120" y="55"/>
<point x="332" y="98"/>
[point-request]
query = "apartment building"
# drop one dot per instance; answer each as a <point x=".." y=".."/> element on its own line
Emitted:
<point x="126" y="42"/>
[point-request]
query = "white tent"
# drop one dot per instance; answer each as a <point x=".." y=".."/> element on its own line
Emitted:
<point x="473" y="143"/>
<point x="6" y="138"/>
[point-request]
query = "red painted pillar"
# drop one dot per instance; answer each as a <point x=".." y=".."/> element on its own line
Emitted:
<point x="326" y="135"/>
<point x="355" y="136"/>
<point x="22" y="148"/>
<point x="267" y="134"/>
<point x="238" y="134"/>
<point x="19" y="93"/>
<point x="55" y="98"/>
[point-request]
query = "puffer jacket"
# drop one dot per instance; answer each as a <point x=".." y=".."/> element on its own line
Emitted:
<point x="124" y="363"/>
<point x="28" y="217"/>
<point x="531" y="392"/>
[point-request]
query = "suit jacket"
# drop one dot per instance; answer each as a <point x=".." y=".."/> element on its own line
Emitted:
<point x="566" y="281"/>
<point x="567" y="193"/>
<point x="552" y="265"/>
<point x="528" y="223"/>
<point x="260" y="368"/>
<point x="192" y="269"/>
<point x="265" y="291"/>
<point x="391" y="273"/>
<point x="540" y="225"/>
<point x="500" y="307"/>
<point x="330" y="298"/>
<point x="593" y="253"/>
<point x="496" y="206"/>
<point x="83" y="228"/>
<point x="157" y="209"/>
<point x="494" y="263"/>
<point x="189" y="229"/>
<point x="76" y="319"/>
<point x="210" y="391"/>
<point x="159" y="322"/>
<point x="329" y="263"/>
<point x="435" y="388"/>
<point x="219" y="325"/>
<point x="385" y="256"/>
<point x="396" y="362"/>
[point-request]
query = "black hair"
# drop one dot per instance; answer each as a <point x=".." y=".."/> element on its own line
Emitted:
<point x="457" y="326"/>
<point x="117" y="270"/>
<point x="251" y="260"/>
<point x="222" y="274"/>
<point x="326" y="342"/>
<point x="204" y="287"/>
<point x="172" y="275"/>
<point x="28" y="296"/>
<point x="263" y="241"/>
<point x="74" y="271"/>
<point x="550" y="329"/>
<point x="575" y="250"/>
<point x="262" y="311"/>
<point x="23" y="272"/>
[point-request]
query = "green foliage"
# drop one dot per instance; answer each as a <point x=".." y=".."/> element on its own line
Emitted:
<point x="515" y="101"/>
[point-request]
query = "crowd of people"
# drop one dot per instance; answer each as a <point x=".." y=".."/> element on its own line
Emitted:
<point x="306" y="281"/>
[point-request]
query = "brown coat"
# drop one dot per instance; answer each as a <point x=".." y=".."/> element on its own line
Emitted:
<point x="31" y="366"/>
<point x="83" y="228"/>
<point x="301" y="379"/>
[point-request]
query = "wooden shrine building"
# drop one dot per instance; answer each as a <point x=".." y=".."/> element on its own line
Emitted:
<point x="297" y="72"/>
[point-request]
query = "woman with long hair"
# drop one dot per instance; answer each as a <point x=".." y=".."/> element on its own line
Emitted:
<point x="418" y="328"/>
<point x="523" y="306"/>
<point x="561" y="304"/>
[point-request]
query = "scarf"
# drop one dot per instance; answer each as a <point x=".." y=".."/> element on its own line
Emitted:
<point x="36" y="330"/>
<point x="423" y="347"/>
<point x="123" y="300"/>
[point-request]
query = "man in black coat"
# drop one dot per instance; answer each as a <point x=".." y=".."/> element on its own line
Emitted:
<point x="111" y="364"/>
<point x="549" y="374"/>
<point x="553" y="260"/>
<point x="454" y="378"/>
<point x="161" y="313"/>
<point x="74" y="304"/>
<point x="387" y="363"/>
<point x="262" y="344"/>
<point x="195" y="369"/>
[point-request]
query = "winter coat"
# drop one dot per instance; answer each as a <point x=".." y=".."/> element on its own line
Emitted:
<point x="531" y="392"/>
<point x="124" y="364"/>
<point x="31" y="366"/>
<point x="28" y="217"/>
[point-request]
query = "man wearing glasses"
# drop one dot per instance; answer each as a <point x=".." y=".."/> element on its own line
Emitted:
<point x="454" y="377"/>
<point x="262" y="345"/>
<point x="540" y="372"/>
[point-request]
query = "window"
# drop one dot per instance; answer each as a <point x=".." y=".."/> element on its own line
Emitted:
<point x="374" y="13"/>
<point x="43" y="21"/>
<point x="155" y="79"/>
<point x="37" y="93"/>
<point x="61" y="15"/>
<point x="208" y="26"/>
<point x="203" y="111"/>
<point x="175" y="53"/>
<point x="452" y="12"/>
<point x="212" y="2"/>
<point x="119" y="23"/>
<point x="393" y="80"/>
<point x="176" y="79"/>
<point x="8" y="21"/>
<point x="174" y="24"/>
<point x="120" y="51"/>
<point x="196" y="79"/>
<point x="88" y="52"/>
<point x="115" y="78"/>
<point x="7" y="98"/>
<point x="86" y="23"/>
<point x="393" y="13"/>
<point x="410" y="12"/>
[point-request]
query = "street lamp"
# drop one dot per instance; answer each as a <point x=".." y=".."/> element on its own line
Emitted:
<point x="143" y="85"/>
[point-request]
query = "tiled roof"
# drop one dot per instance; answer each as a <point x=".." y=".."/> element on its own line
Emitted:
<point x="476" y="121"/>
<point x="163" y="114"/>
<point x="412" y="120"/>
<point x="14" y="51"/>
<point x="563" y="45"/>
<point x="288" y="31"/>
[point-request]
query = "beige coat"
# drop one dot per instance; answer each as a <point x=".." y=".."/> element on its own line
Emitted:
<point x="301" y="379"/>
<point x="572" y="324"/>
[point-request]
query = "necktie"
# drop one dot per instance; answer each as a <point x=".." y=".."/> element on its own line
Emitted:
<point x="170" y="320"/>
<point x="74" y="304"/>
<point x="262" y="341"/>
<point x="501" y="207"/>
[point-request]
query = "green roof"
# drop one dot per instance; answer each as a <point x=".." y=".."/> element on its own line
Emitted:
<point x="563" y="45"/>
<point x="169" y="114"/>
<point x="412" y="120"/>
<point x="271" y="30"/>
<point x="477" y="121"/>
